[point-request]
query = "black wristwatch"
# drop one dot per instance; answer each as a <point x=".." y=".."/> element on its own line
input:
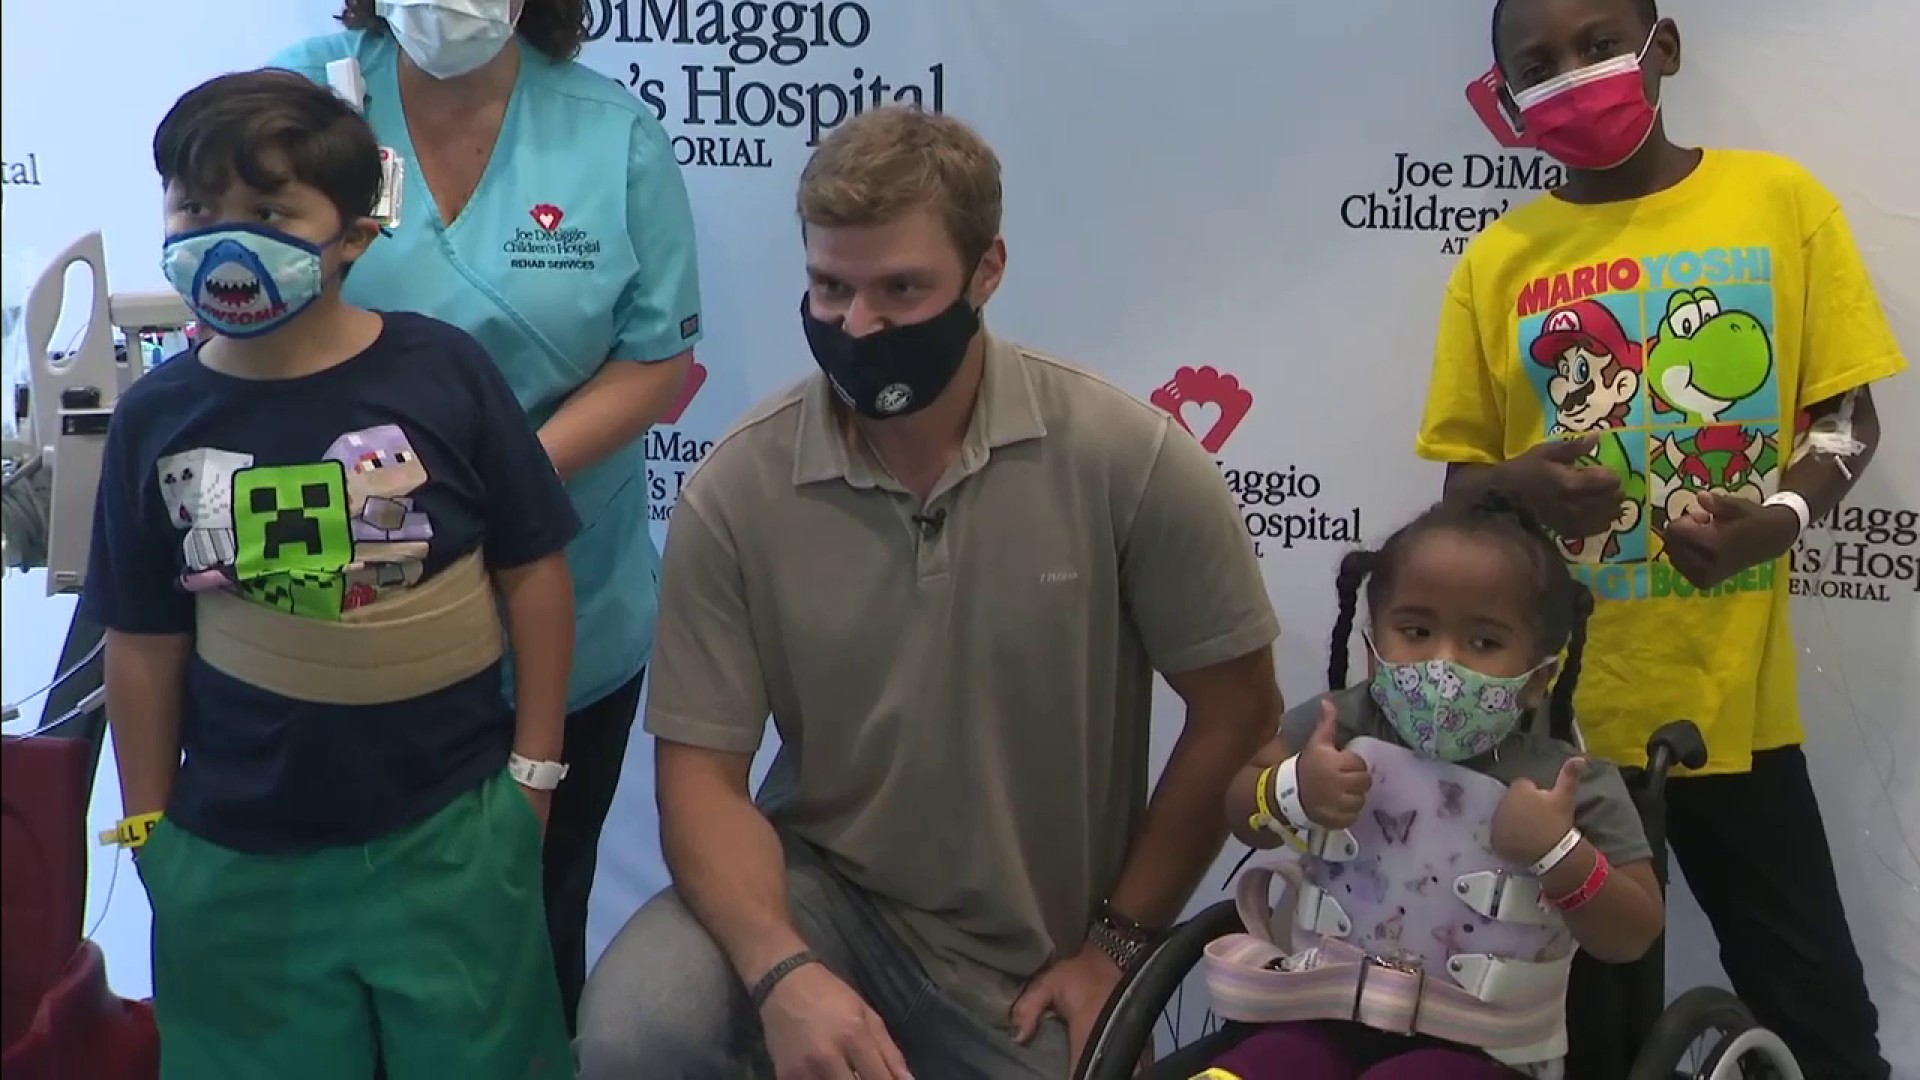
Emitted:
<point x="1125" y="942"/>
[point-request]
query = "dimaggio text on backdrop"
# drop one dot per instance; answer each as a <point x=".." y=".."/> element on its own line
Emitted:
<point x="754" y="82"/>
<point x="1243" y="213"/>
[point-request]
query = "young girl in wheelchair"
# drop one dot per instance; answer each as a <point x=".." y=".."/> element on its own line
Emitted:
<point x="1449" y="852"/>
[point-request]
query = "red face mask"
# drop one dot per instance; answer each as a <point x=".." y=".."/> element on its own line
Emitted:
<point x="1594" y="118"/>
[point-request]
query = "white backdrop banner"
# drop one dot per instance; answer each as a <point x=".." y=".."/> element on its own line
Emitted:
<point x="1243" y="212"/>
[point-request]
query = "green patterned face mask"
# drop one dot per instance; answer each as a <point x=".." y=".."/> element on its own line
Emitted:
<point x="1443" y="709"/>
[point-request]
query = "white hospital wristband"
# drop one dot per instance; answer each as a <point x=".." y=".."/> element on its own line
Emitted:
<point x="1286" y="795"/>
<point x="1557" y="855"/>
<point x="1795" y="502"/>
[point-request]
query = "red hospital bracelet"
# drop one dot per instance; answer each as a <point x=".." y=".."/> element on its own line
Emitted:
<point x="1590" y="888"/>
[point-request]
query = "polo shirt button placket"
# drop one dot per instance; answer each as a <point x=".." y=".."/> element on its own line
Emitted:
<point x="931" y="557"/>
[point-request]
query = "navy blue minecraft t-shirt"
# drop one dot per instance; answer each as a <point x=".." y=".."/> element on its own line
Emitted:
<point x="316" y="495"/>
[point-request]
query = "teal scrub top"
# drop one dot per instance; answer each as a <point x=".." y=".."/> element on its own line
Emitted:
<point x="576" y="250"/>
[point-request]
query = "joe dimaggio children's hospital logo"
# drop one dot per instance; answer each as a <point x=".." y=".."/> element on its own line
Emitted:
<point x="1281" y="507"/>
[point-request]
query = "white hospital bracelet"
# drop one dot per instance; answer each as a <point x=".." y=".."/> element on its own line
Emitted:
<point x="1795" y="502"/>
<point x="1286" y="795"/>
<point x="1557" y="855"/>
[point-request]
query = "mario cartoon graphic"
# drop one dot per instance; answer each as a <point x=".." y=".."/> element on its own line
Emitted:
<point x="1595" y="369"/>
<point x="1729" y="460"/>
<point x="1624" y="538"/>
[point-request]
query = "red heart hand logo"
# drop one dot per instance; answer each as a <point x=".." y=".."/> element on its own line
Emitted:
<point x="1206" y="401"/>
<point x="548" y="216"/>
<point x="696" y="378"/>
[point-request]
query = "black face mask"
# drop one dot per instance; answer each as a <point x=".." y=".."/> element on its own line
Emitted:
<point x="897" y="371"/>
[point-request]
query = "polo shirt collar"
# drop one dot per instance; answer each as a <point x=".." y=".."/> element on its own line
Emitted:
<point x="1007" y="412"/>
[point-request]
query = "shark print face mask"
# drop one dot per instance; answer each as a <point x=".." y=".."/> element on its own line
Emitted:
<point x="242" y="281"/>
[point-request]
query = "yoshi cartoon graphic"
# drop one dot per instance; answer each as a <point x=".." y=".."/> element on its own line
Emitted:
<point x="1606" y="546"/>
<point x="1706" y="359"/>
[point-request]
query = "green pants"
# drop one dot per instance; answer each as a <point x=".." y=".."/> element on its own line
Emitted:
<point x="430" y="944"/>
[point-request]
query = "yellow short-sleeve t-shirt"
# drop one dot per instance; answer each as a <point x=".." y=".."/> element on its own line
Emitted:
<point x="1688" y="330"/>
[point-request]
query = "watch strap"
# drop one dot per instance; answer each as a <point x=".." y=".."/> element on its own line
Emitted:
<point x="1126" y="953"/>
<point x="1124" y="941"/>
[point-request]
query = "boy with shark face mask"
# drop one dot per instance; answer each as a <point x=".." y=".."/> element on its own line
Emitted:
<point x="1735" y="278"/>
<point x="309" y="528"/>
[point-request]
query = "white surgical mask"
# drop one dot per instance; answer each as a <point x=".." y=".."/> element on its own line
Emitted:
<point x="449" y="38"/>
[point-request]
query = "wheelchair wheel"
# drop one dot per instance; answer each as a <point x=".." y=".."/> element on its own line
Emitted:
<point x="1137" y="1011"/>
<point x="1708" y="1034"/>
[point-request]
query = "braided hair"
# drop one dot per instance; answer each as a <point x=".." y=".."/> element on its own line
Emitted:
<point x="1648" y="10"/>
<point x="1560" y="613"/>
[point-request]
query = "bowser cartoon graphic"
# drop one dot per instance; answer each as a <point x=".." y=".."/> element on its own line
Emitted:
<point x="1595" y="369"/>
<point x="1613" y="543"/>
<point x="1731" y="461"/>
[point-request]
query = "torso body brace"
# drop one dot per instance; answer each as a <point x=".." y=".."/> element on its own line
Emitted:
<point x="404" y="645"/>
<point x="1407" y="922"/>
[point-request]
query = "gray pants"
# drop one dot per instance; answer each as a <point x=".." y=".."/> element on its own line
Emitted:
<point x="664" y="1002"/>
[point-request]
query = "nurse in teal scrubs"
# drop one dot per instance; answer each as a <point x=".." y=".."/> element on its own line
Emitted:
<point x="536" y="204"/>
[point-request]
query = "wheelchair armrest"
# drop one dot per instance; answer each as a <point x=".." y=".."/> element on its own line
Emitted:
<point x="1679" y="742"/>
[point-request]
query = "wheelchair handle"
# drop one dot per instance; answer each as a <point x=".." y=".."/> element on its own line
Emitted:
<point x="1678" y="742"/>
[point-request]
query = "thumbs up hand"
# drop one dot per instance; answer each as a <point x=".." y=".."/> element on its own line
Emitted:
<point x="1333" y="782"/>
<point x="1530" y="820"/>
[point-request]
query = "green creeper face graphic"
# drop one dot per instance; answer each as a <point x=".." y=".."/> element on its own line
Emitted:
<point x="313" y="594"/>
<point x="290" y="517"/>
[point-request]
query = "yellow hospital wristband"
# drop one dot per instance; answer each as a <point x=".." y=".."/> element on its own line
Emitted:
<point x="1264" y="819"/>
<point x="1216" y="1074"/>
<point x="131" y="832"/>
<point x="1263" y="811"/>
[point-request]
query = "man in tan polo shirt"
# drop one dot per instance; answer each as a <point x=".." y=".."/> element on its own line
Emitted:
<point x="948" y="567"/>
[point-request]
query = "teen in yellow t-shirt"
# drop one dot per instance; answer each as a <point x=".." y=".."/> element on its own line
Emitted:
<point x="1635" y="355"/>
<point x="1668" y="341"/>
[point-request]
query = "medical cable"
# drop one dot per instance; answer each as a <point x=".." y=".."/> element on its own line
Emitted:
<point x="12" y="711"/>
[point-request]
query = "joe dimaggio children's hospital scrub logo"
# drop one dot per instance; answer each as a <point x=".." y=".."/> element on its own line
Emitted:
<point x="1679" y="384"/>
